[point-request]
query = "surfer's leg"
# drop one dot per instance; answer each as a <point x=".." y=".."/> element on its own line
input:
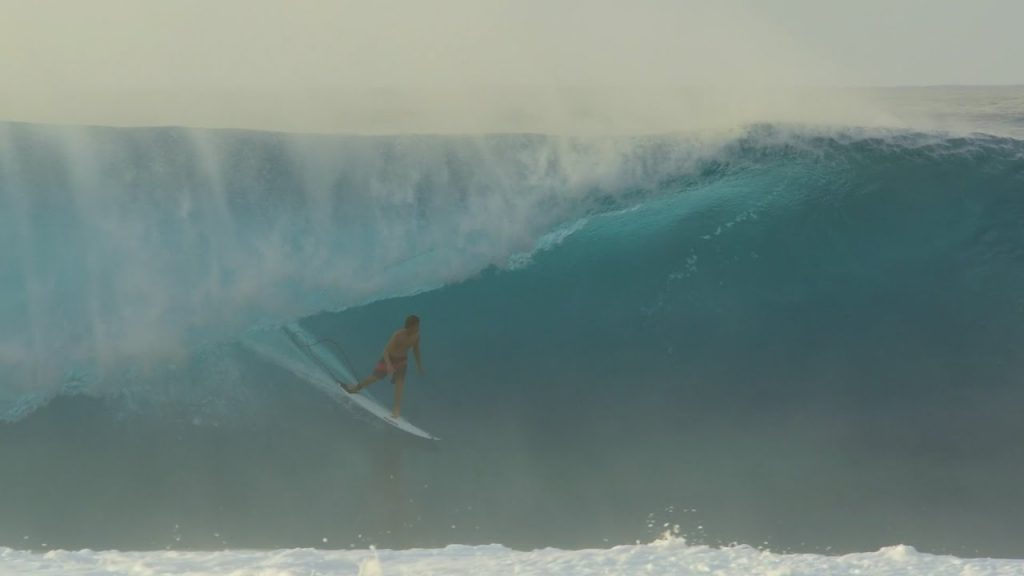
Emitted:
<point x="399" y="383"/>
<point x="363" y="384"/>
<point x="399" y="380"/>
<point x="379" y="371"/>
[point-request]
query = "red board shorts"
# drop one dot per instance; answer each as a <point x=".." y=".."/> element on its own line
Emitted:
<point x="400" y="365"/>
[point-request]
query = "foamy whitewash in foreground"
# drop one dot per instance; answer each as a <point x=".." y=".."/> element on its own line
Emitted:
<point x="663" y="557"/>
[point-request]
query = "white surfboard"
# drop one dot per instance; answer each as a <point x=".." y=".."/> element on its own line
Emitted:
<point x="320" y="366"/>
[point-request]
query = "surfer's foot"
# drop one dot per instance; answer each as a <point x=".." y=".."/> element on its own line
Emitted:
<point x="350" y="389"/>
<point x="394" y="414"/>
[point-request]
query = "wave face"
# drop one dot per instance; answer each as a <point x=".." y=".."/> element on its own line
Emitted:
<point x="808" y="339"/>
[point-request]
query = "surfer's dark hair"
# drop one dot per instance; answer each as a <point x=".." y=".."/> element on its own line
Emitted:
<point x="412" y="320"/>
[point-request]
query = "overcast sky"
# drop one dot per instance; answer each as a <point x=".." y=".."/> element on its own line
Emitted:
<point x="475" y="64"/>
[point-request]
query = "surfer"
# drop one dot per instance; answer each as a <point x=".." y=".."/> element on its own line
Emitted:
<point x="395" y="360"/>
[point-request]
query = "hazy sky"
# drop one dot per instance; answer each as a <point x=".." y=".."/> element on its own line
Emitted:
<point x="909" y="42"/>
<point x="465" y="65"/>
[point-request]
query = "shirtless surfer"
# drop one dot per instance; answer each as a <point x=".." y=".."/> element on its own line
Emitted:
<point x="395" y="360"/>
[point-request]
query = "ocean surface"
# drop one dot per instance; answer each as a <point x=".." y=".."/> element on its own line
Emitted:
<point x="779" y="349"/>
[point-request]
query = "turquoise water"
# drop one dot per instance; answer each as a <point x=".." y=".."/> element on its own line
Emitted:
<point x="805" y="338"/>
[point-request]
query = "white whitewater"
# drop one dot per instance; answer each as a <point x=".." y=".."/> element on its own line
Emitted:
<point x="672" y="556"/>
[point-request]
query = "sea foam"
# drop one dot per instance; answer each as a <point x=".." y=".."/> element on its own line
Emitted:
<point x="662" y="557"/>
